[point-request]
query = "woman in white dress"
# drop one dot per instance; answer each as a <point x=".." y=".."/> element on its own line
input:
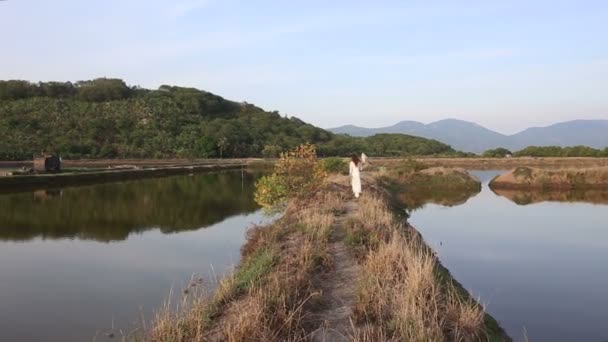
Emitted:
<point x="355" y="175"/>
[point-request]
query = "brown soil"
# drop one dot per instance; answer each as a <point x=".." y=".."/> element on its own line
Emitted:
<point x="335" y="306"/>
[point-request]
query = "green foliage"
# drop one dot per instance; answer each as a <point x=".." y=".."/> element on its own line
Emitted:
<point x="408" y="166"/>
<point x="105" y="118"/>
<point x="384" y="145"/>
<point x="497" y="153"/>
<point x="359" y="236"/>
<point x="271" y="151"/>
<point x="557" y="151"/>
<point x="16" y="89"/>
<point x="296" y="173"/>
<point x="270" y="190"/>
<point x="103" y="89"/>
<point x="335" y="165"/>
<point x="254" y="268"/>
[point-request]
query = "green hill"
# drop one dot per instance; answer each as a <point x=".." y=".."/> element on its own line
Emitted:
<point x="106" y="118"/>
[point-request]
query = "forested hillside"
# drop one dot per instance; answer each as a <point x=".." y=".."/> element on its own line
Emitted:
<point x="106" y="118"/>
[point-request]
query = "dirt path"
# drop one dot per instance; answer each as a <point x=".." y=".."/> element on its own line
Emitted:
<point x="338" y="296"/>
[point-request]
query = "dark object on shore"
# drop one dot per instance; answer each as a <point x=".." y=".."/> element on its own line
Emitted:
<point x="47" y="163"/>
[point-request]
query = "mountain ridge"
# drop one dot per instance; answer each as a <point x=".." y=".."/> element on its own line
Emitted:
<point x="472" y="137"/>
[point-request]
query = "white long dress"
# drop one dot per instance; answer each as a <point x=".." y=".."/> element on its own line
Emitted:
<point x="355" y="178"/>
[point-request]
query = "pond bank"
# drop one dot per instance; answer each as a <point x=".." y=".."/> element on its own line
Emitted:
<point x="552" y="179"/>
<point x="48" y="180"/>
<point x="333" y="268"/>
<point x="509" y="163"/>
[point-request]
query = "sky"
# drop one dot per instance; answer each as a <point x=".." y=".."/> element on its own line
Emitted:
<point x="506" y="65"/>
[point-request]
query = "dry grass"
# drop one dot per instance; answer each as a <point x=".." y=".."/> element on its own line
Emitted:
<point x="401" y="297"/>
<point x="273" y="311"/>
<point x="523" y="197"/>
<point x="264" y="299"/>
<point x="498" y="163"/>
<point x="559" y="179"/>
<point x="402" y="294"/>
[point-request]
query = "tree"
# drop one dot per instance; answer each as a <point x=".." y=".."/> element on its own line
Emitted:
<point x="221" y="144"/>
<point x="499" y="152"/>
<point x="103" y="89"/>
<point x="58" y="89"/>
<point x="17" y="89"/>
<point x="557" y="151"/>
<point x="271" y="151"/>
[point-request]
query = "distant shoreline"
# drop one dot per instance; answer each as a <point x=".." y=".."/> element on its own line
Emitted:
<point x="50" y="180"/>
<point x="431" y="160"/>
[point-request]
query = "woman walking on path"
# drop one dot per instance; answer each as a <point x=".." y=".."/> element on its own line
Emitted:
<point x="355" y="176"/>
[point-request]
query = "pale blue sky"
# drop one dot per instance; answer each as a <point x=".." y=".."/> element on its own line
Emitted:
<point x="504" y="64"/>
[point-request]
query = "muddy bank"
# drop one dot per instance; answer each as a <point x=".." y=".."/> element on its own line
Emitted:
<point x="527" y="178"/>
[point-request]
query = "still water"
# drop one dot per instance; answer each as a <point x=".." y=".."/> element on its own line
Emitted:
<point x="72" y="261"/>
<point x="538" y="261"/>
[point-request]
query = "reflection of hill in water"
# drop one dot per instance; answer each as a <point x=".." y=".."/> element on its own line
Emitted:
<point x="112" y="211"/>
<point x="523" y="197"/>
<point x="414" y="200"/>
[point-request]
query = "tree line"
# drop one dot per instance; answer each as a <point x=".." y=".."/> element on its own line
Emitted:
<point x="548" y="151"/>
<point x="106" y="118"/>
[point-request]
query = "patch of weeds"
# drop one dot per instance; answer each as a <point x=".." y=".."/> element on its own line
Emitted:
<point x="524" y="172"/>
<point x="577" y="179"/>
<point x="410" y="165"/>
<point x="356" y="237"/>
<point x="254" y="269"/>
<point x="335" y="165"/>
<point x="321" y="262"/>
<point x="338" y="211"/>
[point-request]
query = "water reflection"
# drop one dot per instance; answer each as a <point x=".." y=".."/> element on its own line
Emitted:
<point x="94" y="257"/>
<point x="415" y="200"/>
<point x="524" y="197"/>
<point x="538" y="267"/>
<point x="112" y="211"/>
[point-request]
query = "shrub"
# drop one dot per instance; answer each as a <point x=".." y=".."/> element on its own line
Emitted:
<point x="270" y="190"/>
<point x="410" y="165"/>
<point x="297" y="172"/>
<point x="497" y="153"/>
<point x="335" y="165"/>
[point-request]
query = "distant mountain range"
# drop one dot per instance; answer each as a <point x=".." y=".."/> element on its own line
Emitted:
<point x="471" y="137"/>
